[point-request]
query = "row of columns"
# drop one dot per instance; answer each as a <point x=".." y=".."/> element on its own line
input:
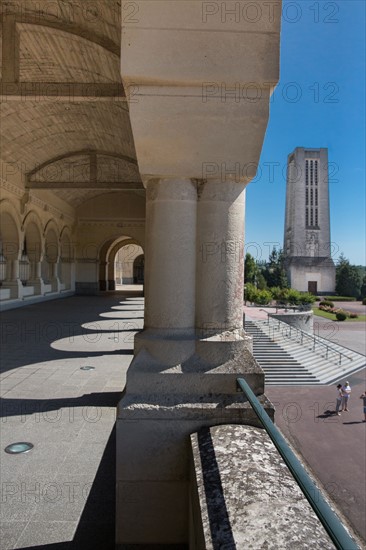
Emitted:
<point x="21" y="273"/>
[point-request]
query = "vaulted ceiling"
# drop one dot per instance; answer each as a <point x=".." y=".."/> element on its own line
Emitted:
<point x="62" y="101"/>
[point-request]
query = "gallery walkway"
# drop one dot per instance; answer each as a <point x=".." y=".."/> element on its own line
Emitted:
<point x="63" y="490"/>
<point x="61" y="495"/>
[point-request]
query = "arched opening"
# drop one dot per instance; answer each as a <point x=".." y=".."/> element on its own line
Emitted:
<point x="9" y="246"/>
<point x="66" y="261"/>
<point x="126" y="270"/>
<point x="31" y="255"/>
<point x="51" y="254"/>
<point x="116" y="263"/>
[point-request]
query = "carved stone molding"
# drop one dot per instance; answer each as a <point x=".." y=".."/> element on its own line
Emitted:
<point x="112" y="223"/>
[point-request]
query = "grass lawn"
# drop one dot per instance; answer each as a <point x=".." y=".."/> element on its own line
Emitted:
<point x="332" y="317"/>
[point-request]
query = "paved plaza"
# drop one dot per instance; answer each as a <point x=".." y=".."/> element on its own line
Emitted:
<point x="61" y="494"/>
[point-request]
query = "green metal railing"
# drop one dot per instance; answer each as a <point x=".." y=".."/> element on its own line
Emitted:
<point x="315" y="340"/>
<point x="340" y="537"/>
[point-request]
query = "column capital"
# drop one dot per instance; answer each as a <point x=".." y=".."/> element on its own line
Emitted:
<point x="216" y="189"/>
<point x="175" y="189"/>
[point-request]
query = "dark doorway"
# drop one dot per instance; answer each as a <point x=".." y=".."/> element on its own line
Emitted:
<point x="138" y="269"/>
<point x="313" y="287"/>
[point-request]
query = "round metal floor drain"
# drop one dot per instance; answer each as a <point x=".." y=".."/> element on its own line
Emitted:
<point x="87" y="368"/>
<point x="19" y="447"/>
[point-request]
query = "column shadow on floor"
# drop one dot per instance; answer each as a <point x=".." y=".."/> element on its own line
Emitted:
<point x="96" y="529"/>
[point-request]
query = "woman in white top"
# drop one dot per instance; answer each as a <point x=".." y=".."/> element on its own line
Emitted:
<point x="346" y="392"/>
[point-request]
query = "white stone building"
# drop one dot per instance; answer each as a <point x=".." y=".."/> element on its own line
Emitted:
<point x="307" y="244"/>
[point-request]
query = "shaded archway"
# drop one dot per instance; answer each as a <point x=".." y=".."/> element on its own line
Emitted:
<point x="33" y="247"/>
<point x="139" y="270"/>
<point x="108" y="261"/>
<point x="9" y="246"/>
<point x="51" y="256"/>
<point x="66" y="260"/>
<point x="104" y="258"/>
<point x="125" y="270"/>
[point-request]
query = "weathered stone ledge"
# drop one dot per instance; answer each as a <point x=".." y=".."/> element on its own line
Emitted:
<point x="244" y="496"/>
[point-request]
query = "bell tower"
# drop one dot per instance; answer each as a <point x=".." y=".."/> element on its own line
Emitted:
<point x="307" y="245"/>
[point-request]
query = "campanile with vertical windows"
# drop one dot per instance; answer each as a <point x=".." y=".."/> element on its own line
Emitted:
<point x="307" y="244"/>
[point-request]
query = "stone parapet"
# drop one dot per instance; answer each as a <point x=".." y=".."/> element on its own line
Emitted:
<point x="244" y="496"/>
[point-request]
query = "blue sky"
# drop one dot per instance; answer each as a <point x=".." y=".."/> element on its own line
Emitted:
<point x="319" y="102"/>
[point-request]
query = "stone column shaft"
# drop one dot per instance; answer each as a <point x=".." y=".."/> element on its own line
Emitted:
<point x="220" y="256"/>
<point x="170" y="254"/>
<point x="15" y="270"/>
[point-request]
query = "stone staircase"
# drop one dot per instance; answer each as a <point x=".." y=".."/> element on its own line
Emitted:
<point x="290" y="357"/>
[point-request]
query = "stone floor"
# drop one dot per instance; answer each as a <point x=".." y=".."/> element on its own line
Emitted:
<point x="61" y="494"/>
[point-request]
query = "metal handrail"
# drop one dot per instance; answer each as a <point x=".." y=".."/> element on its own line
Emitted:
<point x="335" y="529"/>
<point x="312" y="337"/>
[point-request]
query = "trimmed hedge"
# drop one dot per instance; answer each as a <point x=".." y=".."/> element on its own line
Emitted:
<point x="340" y="298"/>
<point x="341" y="315"/>
<point x="283" y="296"/>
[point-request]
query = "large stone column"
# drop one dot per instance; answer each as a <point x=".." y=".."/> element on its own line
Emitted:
<point x="184" y="374"/>
<point x="152" y="492"/>
<point x="170" y="261"/>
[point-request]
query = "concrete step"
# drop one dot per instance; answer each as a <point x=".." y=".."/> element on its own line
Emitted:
<point x="273" y="346"/>
<point x="278" y="365"/>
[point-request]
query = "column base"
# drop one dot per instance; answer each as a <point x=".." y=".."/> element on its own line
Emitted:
<point x="55" y="284"/>
<point x="166" y="401"/>
<point x="15" y="287"/>
<point x="39" y="286"/>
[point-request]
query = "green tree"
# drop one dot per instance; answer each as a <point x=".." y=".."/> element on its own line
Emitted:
<point x="274" y="272"/>
<point x="363" y="288"/>
<point x="250" y="269"/>
<point x="250" y="292"/>
<point x="261" y="282"/>
<point x="348" y="280"/>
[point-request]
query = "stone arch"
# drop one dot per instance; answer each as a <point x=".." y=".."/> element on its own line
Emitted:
<point x="52" y="241"/>
<point x="66" y="246"/>
<point x="122" y="258"/>
<point x="33" y="236"/>
<point x="107" y="255"/>
<point x="66" y="257"/>
<point x="51" y="251"/>
<point x="10" y="230"/>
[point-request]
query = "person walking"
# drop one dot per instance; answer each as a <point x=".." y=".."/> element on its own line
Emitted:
<point x="346" y="392"/>
<point x="363" y="396"/>
<point x="339" y="399"/>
